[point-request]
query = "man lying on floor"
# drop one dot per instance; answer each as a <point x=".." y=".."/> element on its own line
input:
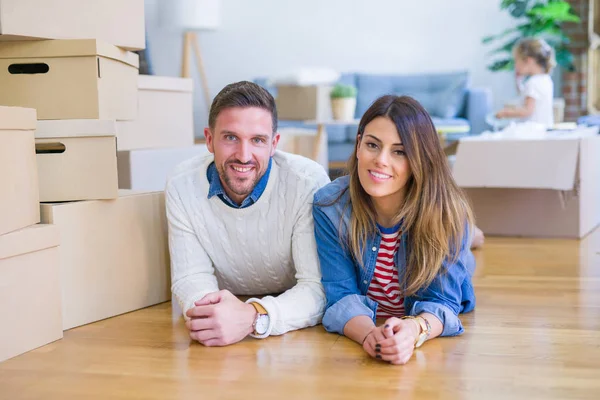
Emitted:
<point x="240" y="220"/>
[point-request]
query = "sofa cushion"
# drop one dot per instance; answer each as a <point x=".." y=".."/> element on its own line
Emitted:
<point x="340" y="151"/>
<point x="451" y="122"/>
<point x="442" y="95"/>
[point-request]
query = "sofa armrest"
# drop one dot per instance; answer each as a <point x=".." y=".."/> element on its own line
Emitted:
<point x="479" y="105"/>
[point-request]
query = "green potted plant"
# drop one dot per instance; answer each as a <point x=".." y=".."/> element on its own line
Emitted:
<point x="538" y="18"/>
<point x="343" y="102"/>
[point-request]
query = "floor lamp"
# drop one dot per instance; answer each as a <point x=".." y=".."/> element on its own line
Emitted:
<point x="192" y="16"/>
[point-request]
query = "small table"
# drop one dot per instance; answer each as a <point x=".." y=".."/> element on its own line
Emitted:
<point x="321" y="131"/>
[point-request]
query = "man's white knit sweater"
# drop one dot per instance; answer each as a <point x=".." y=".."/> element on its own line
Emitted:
<point x="266" y="248"/>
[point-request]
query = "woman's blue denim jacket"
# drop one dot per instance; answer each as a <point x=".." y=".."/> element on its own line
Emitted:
<point x="346" y="283"/>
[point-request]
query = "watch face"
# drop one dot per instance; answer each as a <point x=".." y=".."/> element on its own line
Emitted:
<point x="262" y="324"/>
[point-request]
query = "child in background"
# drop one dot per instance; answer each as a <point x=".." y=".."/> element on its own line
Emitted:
<point x="534" y="60"/>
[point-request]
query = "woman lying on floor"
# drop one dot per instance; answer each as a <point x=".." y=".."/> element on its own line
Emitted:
<point x="393" y="237"/>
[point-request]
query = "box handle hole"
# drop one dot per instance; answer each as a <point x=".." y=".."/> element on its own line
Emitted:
<point x="34" y="68"/>
<point x="49" y="148"/>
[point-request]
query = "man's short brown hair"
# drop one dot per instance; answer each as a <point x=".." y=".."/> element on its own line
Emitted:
<point x="242" y="94"/>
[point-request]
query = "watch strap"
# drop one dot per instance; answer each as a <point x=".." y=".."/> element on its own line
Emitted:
<point x="259" y="308"/>
<point x="424" y="329"/>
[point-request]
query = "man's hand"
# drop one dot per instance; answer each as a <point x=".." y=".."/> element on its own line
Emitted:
<point x="220" y="319"/>
<point x="399" y="342"/>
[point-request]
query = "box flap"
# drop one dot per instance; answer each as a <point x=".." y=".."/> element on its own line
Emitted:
<point x="33" y="238"/>
<point x="544" y="163"/>
<point x="165" y="83"/>
<point x="75" y="128"/>
<point x="17" y="118"/>
<point x="66" y="48"/>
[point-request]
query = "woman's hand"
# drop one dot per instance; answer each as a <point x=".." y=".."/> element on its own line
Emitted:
<point x="398" y="343"/>
<point x="374" y="336"/>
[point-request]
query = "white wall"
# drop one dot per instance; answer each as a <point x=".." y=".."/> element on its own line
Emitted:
<point x="265" y="37"/>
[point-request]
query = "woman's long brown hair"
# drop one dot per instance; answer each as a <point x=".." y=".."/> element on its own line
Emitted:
<point x="435" y="212"/>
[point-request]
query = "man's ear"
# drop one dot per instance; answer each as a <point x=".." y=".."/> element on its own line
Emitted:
<point x="274" y="142"/>
<point x="209" y="140"/>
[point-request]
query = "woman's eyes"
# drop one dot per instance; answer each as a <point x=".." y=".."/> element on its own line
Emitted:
<point x="371" y="145"/>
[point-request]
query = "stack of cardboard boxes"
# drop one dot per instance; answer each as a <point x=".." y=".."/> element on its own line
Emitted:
<point x="160" y="137"/>
<point x="30" y="296"/>
<point x="71" y="97"/>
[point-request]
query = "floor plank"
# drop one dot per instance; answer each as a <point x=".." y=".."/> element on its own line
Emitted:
<point x="535" y="334"/>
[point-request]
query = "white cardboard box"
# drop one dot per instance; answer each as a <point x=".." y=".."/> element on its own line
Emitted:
<point x="30" y="298"/>
<point x="69" y="79"/>
<point x="77" y="160"/>
<point x="19" y="193"/>
<point x="149" y="169"/>
<point x="540" y="187"/>
<point x="118" y="22"/>
<point x="165" y="115"/>
<point x="304" y="102"/>
<point x="114" y="255"/>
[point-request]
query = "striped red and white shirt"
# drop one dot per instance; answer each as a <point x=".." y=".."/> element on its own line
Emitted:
<point x="385" y="287"/>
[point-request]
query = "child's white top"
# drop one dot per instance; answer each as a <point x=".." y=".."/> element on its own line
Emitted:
<point x="541" y="89"/>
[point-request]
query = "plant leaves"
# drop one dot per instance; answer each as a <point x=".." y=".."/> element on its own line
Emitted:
<point x="558" y="11"/>
<point x="506" y="48"/>
<point x="491" y="38"/>
<point x="565" y="59"/>
<point x="501" y="65"/>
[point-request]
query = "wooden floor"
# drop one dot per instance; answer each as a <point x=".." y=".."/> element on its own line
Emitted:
<point x="535" y="334"/>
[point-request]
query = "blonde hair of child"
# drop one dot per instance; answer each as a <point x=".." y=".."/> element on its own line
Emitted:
<point x="539" y="50"/>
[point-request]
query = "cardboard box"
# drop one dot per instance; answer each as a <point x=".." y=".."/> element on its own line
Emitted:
<point x="118" y="22"/>
<point x="303" y="142"/>
<point x="114" y="255"/>
<point x="30" y="298"/>
<point x="149" y="169"/>
<point x="19" y="193"/>
<point x="77" y="160"/>
<point x="303" y="102"/>
<point x="69" y="79"/>
<point x="165" y="115"/>
<point x="539" y="187"/>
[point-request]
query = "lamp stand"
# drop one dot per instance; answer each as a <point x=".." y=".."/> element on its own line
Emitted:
<point x="190" y="40"/>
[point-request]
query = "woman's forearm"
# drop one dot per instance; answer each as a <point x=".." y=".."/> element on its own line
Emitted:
<point x="358" y="328"/>
<point x="436" y="325"/>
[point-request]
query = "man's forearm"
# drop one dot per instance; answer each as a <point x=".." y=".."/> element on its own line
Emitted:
<point x="299" y="307"/>
<point x="191" y="289"/>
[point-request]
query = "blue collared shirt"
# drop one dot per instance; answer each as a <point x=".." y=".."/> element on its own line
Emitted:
<point x="216" y="188"/>
<point x="346" y="283"/>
